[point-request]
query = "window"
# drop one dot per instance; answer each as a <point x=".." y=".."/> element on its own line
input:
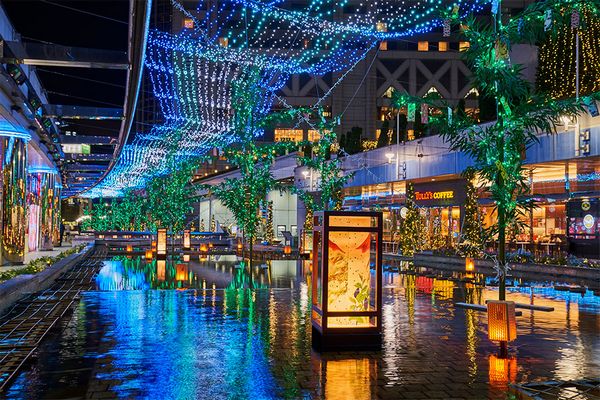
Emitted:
<point x="188" y="23"/>
<point x="286" y="134"/>
<point x="423" y="46"/>
<point x="443" y="46"/>
<point x="383" y="46"/>
<point x="223" y="42"/>
<point x="464" y="46"/>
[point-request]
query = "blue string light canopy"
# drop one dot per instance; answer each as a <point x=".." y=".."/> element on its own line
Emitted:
<point x="191" y="71"/>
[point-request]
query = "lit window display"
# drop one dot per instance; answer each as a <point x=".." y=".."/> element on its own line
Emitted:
<point x="286" y="134"/>
<point x="346" y="294"/>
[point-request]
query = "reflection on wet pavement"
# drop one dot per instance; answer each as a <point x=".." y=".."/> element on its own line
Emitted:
<point x="236" y="335"/>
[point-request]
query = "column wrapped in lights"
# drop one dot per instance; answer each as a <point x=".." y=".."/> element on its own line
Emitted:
<point x="13" y="163"/>
<point x="43" y="208"/>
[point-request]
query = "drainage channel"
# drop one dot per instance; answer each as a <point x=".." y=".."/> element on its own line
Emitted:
<point x="31" y="318"/>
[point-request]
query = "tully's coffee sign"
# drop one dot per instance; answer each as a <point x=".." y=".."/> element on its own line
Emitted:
<point x="444" y="193"/>
<point x="448" y="194"/>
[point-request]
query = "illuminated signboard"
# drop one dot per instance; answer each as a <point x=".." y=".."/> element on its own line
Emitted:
<point x="448" y="194"/>
<point x="441" y="193"/>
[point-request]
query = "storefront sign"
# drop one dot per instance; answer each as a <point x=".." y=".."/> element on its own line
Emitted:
<point x="443" y="193"/>
<point x="449" y="194"/>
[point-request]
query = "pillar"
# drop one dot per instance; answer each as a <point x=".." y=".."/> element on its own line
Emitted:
<point x="13" y="206"/>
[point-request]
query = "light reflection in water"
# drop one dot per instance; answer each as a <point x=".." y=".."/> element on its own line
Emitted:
<point x="224" y="340"/>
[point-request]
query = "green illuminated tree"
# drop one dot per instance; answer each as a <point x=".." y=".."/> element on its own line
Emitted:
<point x="411" y="228"/>
<point x="253" y="160"/>
<point x="471" y="237"/>
<point x="169" y="199"/>
<point x="326" y="172"/>
<point x="497" y="149"/>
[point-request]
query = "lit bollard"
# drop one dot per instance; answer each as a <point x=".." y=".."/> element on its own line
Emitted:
<point x="502" y="324"/>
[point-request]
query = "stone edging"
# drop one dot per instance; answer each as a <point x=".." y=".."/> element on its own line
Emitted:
<point x="21" y="285"/>
<point x="543" y="269"/>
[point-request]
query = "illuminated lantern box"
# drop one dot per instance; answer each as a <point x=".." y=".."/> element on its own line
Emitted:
<point x="161" y="245"/>
<point x="502" y="323"/>
<point x="346" y="294"/>
<point x="187" y="239"/>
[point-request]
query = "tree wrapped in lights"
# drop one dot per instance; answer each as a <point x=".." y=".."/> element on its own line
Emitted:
<point x="497" y="149"/>
<point x="269" y="228"/>
<point x="101" y="216"/>
<point x="169" y="198"/>
<point x="556" y="72"/>
<point x="243" y="195"/>
<point x="411" y="228"/>
<point x="471" y="237"/>
<point x="327" y="171"/>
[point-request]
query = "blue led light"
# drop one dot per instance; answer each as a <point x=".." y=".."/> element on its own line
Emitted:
<point x="191" y="71"/>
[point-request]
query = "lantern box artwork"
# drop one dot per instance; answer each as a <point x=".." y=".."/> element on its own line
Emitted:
<point x="187" y="239"/>
<point x="161" y="245"/>
<point x="346" y="293"/>
<point x="502" y="323"/>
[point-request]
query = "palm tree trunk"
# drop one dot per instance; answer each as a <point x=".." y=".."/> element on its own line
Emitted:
<point x="502" y="253"/>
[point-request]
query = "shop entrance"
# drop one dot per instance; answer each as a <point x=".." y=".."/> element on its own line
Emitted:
<point x="442" y="226"/>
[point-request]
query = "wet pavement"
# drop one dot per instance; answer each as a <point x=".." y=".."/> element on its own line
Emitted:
<point x="221" y="340"/>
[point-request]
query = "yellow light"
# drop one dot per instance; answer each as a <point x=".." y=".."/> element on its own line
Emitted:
<point x="469" y="264"/>
<point x="186" y="258"/>
<point x="443" y="46"/>
<point x="153" y="246"/>
<point x="100" y="236"/>
<point x="181" y="273"/>
<point x="502" y="324"/>
<point x="203" y="248"/>
<point x="423" y="46"/>
<point x="129" y="248"/>
<point x="148" y="255"/>
<point x="239" y="246"/>
<point x="161" y="267"/>
<point x="287" y="249"/>
<point x="502" y="370"/>
<point x="115" y="237"/>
